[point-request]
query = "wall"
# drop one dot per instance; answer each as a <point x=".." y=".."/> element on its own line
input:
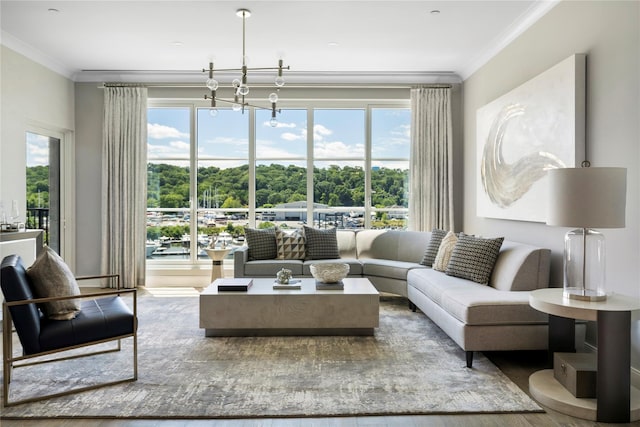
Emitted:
<point x="32" y="96"/>
<point x="89" y="110"/>
<point x="608" y="32"/>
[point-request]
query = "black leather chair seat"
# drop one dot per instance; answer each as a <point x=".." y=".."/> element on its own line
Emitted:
<point x="98" y="319"/>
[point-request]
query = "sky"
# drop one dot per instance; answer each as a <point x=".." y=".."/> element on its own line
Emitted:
<point x="223" y="139"/>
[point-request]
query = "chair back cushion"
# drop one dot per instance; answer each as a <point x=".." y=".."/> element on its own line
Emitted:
<point x="16" y="287"/>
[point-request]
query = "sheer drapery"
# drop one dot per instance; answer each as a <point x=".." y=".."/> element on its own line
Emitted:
<point x="431" y="176"/>
<point x="124" y="183"/>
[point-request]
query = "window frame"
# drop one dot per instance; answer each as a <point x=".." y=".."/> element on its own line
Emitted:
<point x="193" y="262"/>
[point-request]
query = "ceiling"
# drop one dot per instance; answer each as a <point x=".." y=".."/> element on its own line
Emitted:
<point x="172" y="40"/>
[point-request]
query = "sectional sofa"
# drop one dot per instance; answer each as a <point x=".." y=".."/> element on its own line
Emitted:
<point x="478" y="317"/>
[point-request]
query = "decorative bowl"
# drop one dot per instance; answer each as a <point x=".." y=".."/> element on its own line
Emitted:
<point x="329" y="272"/>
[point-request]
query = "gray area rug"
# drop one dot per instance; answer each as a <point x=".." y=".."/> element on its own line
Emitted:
<point x="409" y="367"/>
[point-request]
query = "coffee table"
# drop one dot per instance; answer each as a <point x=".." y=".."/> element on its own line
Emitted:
<point x="263" y="310"/>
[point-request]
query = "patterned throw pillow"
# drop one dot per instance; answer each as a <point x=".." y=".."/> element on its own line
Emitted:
<point x="262" y="243"/>
<point x="473" y="258"/>
<point x="432" y="248"/>
<point x="290" y="245"/>
<point x="444" y="251"/>
<point x="321" y="244"/>
<point x="51" y="277"/>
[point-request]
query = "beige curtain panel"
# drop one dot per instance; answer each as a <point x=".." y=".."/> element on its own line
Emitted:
<point x="431" y="194"/>
<point x="124" y="183"/>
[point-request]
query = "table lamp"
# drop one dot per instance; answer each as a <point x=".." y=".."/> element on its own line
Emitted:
<point x="586" y="198"/>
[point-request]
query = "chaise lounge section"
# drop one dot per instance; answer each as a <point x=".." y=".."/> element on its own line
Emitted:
<point x="478" y="317"/>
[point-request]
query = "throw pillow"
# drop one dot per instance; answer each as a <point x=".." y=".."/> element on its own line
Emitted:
<point x="473" y="258"/>
<point x="261" y="243"/>
<point x="444" y="251"/>
<point x="432" y="248"/>
<point x="321" y="244"/>
<point x="290" y="245"/>
<point x="51" y="277"/>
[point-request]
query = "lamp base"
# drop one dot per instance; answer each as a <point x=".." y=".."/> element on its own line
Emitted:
<point x="584" y="294"/>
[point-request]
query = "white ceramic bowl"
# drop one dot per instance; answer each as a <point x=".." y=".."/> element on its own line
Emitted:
<point x="329" y="272"/>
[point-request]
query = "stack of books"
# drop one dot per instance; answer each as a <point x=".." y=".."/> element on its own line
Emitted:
<point x="234" y="285"/>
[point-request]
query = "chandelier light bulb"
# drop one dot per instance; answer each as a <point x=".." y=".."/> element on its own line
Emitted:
<point x="279" y="81"/>
<point x="273" y="97"/>
<point x="273" y="123"/>
<point x="213" y="112"/>
<point x="235" y="83"/>
<point x="243" y="89"/>
<point x="212" y="84"/>
<point x="236" y="107"/>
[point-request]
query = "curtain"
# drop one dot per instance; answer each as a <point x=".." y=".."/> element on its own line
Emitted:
<point x="124" y="184"/>
<point x="431" y="174"/>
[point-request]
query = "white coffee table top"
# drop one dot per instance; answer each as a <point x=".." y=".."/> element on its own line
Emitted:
<point x="352" y="286"/>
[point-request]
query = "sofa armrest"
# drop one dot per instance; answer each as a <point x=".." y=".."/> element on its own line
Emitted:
<point x="240" y="258"/>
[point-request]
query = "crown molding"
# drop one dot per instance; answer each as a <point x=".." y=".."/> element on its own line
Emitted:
<point x="35" y="55"/>
<point x="526" y="20"/>
<point x="293" y="78"/>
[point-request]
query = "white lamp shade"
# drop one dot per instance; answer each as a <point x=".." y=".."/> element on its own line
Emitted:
<point x="587" y="197"/>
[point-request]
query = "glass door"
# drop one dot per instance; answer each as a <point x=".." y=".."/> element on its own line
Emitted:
<point x="43" y="187"/>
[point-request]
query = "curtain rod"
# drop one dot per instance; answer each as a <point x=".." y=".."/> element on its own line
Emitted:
<point x="289" y="85"/>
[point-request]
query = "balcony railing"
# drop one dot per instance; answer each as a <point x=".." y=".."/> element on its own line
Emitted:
<point x="38" y="218"/>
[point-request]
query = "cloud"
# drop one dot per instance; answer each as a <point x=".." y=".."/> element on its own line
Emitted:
<point x="289" y="136"/>
<point x="157" y="131"/>
<point x="337" y="149"/>
<point x="37" y="152"/>
<point x="320" y="131"/>
<point x="181" y="146"/>
<point x="280" y="125"/>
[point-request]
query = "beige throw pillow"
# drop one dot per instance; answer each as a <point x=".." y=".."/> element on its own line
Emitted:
<point x="51" y="277"/>
<point x="444" y="251"/>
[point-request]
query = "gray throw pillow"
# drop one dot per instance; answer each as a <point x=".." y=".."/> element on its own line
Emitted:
<point x="321" y="244"/>
<point x="432" y="248"/>
<point x="51" y="277"/>
<point x="473" y="258"/>
<point x="261" y="243"/>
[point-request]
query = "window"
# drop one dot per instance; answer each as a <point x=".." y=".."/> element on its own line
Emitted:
<point x="210" y="176"/>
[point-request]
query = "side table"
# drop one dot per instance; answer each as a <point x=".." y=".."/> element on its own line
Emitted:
<point x="617" y="401"/>
<point x="217" y="256"/>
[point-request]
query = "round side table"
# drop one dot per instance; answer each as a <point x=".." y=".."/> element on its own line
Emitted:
<point x="217" y="256"/>
<point x="617" y="401"/>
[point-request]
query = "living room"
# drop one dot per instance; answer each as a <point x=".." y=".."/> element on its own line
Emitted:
<point x="35" y="96"/>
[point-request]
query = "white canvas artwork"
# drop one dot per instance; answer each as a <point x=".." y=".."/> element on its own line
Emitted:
<point x="535" y="127"/>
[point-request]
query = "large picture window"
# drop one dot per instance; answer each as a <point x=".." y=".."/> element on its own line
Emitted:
<point x="210" y="175"/>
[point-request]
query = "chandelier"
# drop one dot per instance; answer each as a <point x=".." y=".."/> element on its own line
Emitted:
<point x="239" y="85"/>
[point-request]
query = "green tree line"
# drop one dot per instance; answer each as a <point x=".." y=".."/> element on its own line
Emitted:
<point x="168" y="186"/>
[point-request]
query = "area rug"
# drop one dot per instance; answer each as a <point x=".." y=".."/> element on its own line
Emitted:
<point x="408" y="367"/>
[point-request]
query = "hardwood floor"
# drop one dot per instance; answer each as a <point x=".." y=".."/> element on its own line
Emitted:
<point x="516" y="365"/>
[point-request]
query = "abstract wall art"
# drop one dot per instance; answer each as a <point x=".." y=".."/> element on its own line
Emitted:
<point x="537" y="126"/>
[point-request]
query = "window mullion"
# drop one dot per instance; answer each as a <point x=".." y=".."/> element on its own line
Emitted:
<point x="193" y="187"/>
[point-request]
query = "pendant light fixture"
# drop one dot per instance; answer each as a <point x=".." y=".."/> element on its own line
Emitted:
<point x="240" y="85"/>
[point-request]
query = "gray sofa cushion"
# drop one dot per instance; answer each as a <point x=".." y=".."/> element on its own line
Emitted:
<point x="269" y="267"/>
<point x="404" y="246"/>
<point x="388" y="268"/>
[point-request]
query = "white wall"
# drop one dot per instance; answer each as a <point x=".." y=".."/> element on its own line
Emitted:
<point x="608" y="32"/>
<point x="32" y="96"/>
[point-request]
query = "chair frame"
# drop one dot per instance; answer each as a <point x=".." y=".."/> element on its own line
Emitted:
<point x="9" y="360"/>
